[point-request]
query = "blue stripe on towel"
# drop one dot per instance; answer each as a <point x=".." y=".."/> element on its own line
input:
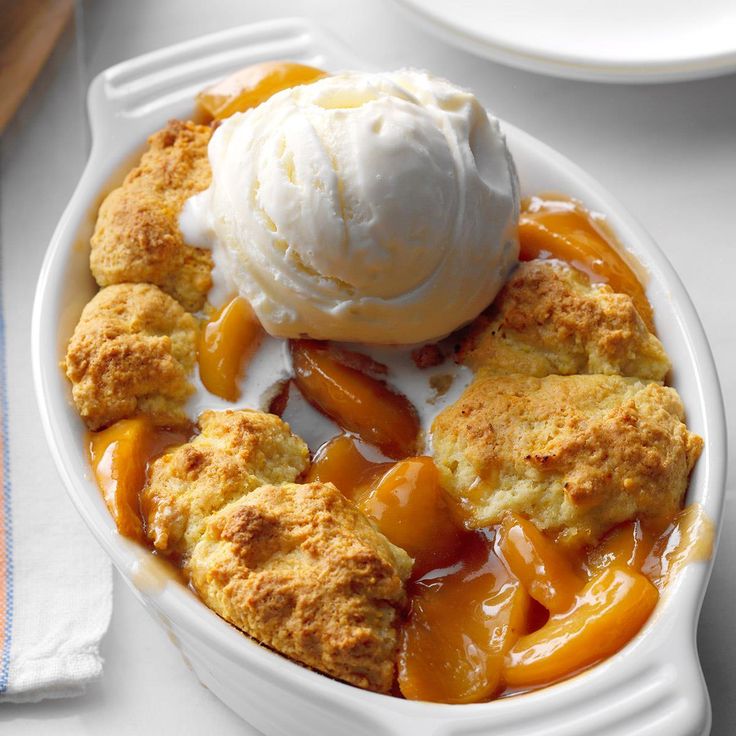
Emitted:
<point x="7" y="529"/>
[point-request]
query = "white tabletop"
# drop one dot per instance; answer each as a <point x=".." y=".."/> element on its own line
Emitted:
<point x="667" y="152"/>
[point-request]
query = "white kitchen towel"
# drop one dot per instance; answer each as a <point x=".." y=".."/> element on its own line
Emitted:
<point x="55" y="581"/>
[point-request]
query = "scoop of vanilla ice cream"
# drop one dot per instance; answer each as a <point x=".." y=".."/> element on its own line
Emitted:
<point x="376" y="208"/>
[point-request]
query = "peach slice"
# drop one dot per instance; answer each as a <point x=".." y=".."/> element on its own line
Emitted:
<point x="607" y="613"/>
<point x="627" y="544"/>
<point x="340" y="462"/>
<point x="410" y="508"/>
<point x="562" y="228"/>
<point x="119" y="456"/>
<point x="253" y="85"/>
<point x="688" y="538"/>
<point x="358" y="402"/>
<point x="538" y="563"/>
<point x="462" y="620"/>
<point x="226" y="343"/>
<point x="404" y="498"/>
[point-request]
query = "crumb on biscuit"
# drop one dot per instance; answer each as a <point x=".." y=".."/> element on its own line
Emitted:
<point x="137" y="236"/>
<point x="131" y="352"/>
<point x="301" y="569"/>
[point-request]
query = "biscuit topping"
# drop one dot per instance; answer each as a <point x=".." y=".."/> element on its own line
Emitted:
<point x="576" y="454"/>
<point x="303" y="571"/>
<point x="132" y="352"/>
<point x="137" y="236"/>
<point x="549" y="319"/>
<point x="235" y="453"/>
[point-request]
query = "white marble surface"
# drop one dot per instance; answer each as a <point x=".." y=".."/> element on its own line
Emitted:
<point x="667" y="152"/>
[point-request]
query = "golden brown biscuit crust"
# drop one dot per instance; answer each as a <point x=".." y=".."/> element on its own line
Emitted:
<point x="302" y="570"/>
<point x="548" y="319"/>
<point x="236" y="452"/>
<point x="137" y="236"/>
<point x="576" y="454"/>
<point x="131" y="352"/>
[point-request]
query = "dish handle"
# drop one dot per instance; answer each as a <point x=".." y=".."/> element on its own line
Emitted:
<point x="147" y="87"/>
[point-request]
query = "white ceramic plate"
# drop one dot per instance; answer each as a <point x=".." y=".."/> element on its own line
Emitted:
<point x="596" y="40"/>
<point x="653" y="686"/>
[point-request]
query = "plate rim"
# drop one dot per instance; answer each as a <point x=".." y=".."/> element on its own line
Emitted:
<point x="567" y="66"/>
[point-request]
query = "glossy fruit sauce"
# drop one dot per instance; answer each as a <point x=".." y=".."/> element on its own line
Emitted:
<point x="492" y="612"/>
<point x="502" y="609"/>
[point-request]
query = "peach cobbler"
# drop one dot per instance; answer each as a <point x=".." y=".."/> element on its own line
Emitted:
<point x="386" y="418"/>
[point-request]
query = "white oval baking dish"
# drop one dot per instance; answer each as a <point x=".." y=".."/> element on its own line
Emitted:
<point x="653" y="686"/>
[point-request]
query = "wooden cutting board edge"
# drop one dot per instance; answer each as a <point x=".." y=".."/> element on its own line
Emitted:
<point x="29" y="31"/>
